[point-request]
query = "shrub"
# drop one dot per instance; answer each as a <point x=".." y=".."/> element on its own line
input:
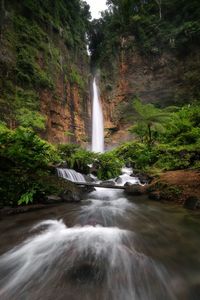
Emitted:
<point x="67" y="150"/>
<point x="80" y="160"/>
<point x="24" y="146"/>
<point x="108" y="165"/>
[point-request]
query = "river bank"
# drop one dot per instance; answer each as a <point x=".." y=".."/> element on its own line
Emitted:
<point x="180" y="186"/>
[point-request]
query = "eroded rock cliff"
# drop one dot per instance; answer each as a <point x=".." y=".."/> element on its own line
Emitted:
<point x="160" y="79"/>
<point x="44" y="67"/>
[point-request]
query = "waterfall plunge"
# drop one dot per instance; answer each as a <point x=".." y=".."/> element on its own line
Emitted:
<point x="97" y="122"/>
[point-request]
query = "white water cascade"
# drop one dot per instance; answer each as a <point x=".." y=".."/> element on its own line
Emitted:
<point x="97" y="122"/>
<point x="71" y="175"/>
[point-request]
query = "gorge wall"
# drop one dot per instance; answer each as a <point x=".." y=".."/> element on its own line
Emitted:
<point x="145" y="49"/>
<point x="160" y="79"/>
<point x="44" y="68"/>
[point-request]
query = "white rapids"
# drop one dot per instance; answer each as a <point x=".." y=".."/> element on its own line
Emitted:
<point x="86" y="255"/>
<point x="70" y="174"/>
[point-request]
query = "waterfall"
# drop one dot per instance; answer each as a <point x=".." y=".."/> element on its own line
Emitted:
<point x="97" y="122"/>
<point x="70" y="175"/>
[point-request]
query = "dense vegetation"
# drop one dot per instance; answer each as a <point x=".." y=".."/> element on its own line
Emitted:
<point x="151" y="28"/>
<point x="174" y="141"/>
<point x="155" y="26"/>
<point x="163" y="140"/>
<point x="27" y="165"/>
<point x="43" y="41"/>
<point x="25" y="159"/>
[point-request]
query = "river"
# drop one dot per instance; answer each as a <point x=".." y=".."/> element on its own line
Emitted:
<point x="107" y="247"/>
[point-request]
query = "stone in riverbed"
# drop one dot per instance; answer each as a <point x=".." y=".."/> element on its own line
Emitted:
<point x="118" y="180"/>
<point x="192" y="202"/>
<point x="143" y="177"/>
<point x="155" y="196"/>
<point x="53" y="199"/>
<point x="70" y="196"/>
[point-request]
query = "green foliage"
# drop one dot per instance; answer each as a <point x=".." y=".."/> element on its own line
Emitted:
<point x="24" y="162"/>
<point x="108" y="165"/>
<point x="139" y="155"/>
<point x="67" y="150"/>
<point x="175" y="147"/>
<point x="150" y="120"/>
<point x="80" y="160"/>
<point x="150" y="28"/>
<point x="27" y="197"/>
<point x="25" y="147"/>
<point x="36" y="39"/>
<point x="75" y="77"/>
<point x="30" y="119"/>
<point x="155" y="25"/>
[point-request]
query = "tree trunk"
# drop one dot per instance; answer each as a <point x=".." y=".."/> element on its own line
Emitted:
<point x="2" y="15"/>
<point x="159" y="3"/>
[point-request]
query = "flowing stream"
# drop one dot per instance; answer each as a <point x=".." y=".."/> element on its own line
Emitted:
<point x="107" y="247"/>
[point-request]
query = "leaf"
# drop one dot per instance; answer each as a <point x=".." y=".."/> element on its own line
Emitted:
<point x="27" y="197"/>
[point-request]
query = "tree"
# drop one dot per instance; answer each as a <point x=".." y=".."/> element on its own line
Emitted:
<point x="159" y="3"/>
<point x="149" y="117"/>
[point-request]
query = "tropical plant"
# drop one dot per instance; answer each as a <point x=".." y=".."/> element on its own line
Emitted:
<point x="150" y="118"/>
<point x="108" y="165"/>
<point x="67" y="150"/>
<point x="24" y="146"/>
<point x="27" y="197"/>
<point x="81" y="160"/>
<point x="31" y="119"/>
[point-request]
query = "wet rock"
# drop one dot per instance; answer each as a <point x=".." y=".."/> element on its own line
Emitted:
<point x="71" y="196"/>
<point x="128" y="183"/>
<point x="134" y="189"/>
<point x="143" y="177"/>
<point x="192" y="202"/>
<point x="155" y="196"/>
<point x="90" y="178"/>
<point x="107" y="183"/>
<point x="53" y="199"/>
<point x="62" y="165"/>
<point x="195" y="292"/>
<point x="118" y="180"/>
<point x="89" y="189"/>
<point x="87" y="272"/>
<point x="128" y="164"/>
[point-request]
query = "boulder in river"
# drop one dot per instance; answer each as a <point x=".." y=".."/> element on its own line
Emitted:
<point x="192" y="202"/>
<point x="118" y="180"/>
<point x="53" y="199"/>
<point x="143" y="177"/>
<point x="71" y="196"/>
<point x="155" y="196"/>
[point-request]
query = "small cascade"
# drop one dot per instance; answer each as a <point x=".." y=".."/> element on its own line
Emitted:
<point x="97" y="122"/>
<point x="70" y="175"/>
<point x="126" y="177"/>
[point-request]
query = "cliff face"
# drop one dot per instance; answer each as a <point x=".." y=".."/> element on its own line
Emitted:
<point x="44" y="68"/>
<point x="145" y="49"/>
<point x="163" y="80"/>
